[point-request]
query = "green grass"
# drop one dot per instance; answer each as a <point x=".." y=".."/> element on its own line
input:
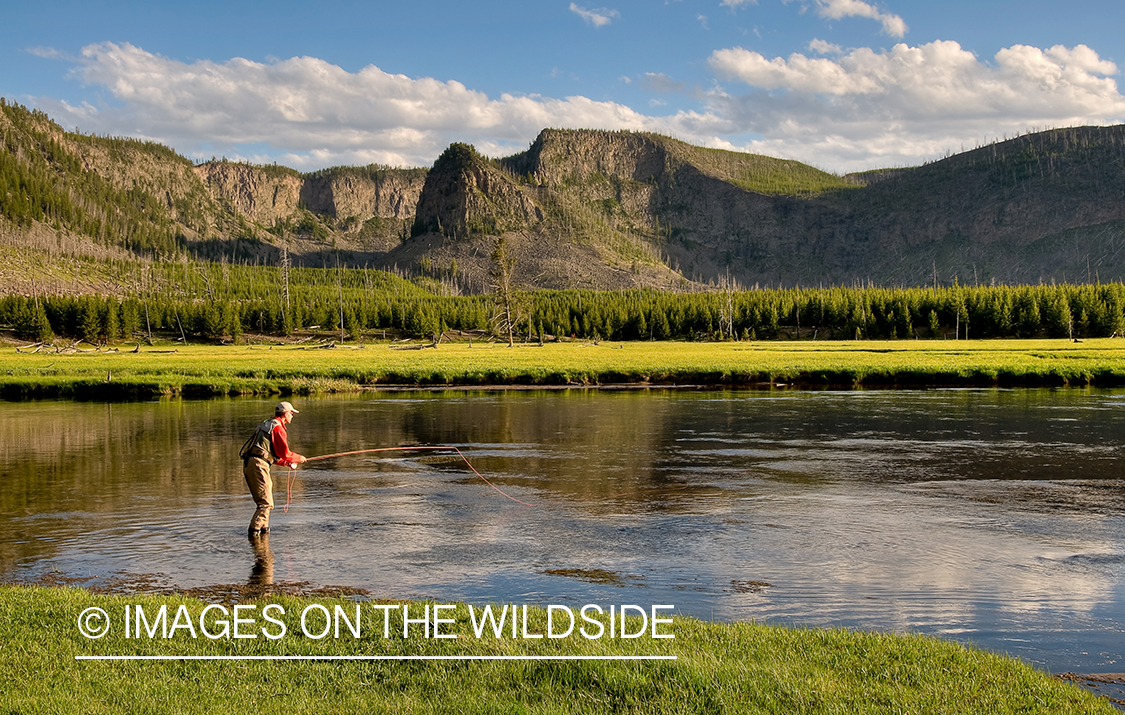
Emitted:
<point x="287" y="369"/>
<point x="735" y="668"/>
<point x="759" y="173"/>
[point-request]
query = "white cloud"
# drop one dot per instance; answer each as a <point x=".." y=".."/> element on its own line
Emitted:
<point x="825" y="48"/>
<point x="735" y="3"/>
<point x="598" y="17"/>
<point x="847" y="110"/>
<point x="311" y="113"/>
<point x="894" y="107"/>
<point x="893" y="25"/>
<point x="942" y="78"/>
<point x="798" y="73"/>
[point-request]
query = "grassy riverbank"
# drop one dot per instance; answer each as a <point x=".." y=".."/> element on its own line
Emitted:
<point x="301" y="369"/>
<point x="742" y="668"/>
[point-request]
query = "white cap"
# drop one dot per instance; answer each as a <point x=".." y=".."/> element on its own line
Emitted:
<point x="286" y="407"/>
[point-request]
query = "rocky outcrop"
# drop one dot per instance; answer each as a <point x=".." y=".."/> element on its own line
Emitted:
<point x="1044" y="206"/>
<point x="364" y="193"/>
<point x="344" y="197"/>
<point x="263" y="196"/>
<point x="559" y="157"/>
<point x="465" y="194"/>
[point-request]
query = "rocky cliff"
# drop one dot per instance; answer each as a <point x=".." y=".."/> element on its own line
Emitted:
<point x="466" y="194"/>
<point x="262" y="196"/>
<point x="348" y="196"/>
<point x="364" y="193"/>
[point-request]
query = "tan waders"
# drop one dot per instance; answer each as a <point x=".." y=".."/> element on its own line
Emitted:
<point x="257" y="473"/>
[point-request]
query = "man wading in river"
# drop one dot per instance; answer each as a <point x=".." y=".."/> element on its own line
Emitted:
<point x="269" y="444"/>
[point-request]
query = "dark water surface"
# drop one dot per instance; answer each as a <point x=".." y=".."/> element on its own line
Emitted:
<point x="987" y="516"/>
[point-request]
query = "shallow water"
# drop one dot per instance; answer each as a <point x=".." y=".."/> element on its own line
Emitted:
<point x="987" y="516"/>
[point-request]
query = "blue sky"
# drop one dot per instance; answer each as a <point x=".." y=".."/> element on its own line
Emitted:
<point x="841" y="84"/>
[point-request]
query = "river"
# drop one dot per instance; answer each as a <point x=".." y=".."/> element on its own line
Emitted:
<point x="991" y="517"/>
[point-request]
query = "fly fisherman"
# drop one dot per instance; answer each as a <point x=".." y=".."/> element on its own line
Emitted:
<point x="268" y="445"/>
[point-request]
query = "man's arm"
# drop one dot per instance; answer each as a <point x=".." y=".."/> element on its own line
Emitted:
<point x="280" y="440"/>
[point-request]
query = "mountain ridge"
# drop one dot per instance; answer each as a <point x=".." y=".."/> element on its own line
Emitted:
<point x="588" y="208"/>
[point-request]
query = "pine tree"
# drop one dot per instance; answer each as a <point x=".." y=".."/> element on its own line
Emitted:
<point x="43" y="331"/>
<point x="112" y="325"/>
<point x="90" y="321"/>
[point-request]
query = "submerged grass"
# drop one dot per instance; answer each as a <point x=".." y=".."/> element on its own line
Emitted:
<point x="737" y="668"/>
<point x="287" y="369"/>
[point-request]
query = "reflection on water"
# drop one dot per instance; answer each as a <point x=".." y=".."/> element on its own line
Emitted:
<point x="261" y="573"/>
<point x="989" y="516"/>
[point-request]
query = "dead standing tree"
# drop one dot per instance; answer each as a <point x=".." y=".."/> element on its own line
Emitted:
<point x="728" y="287"/>
<point x="504" y="312"/>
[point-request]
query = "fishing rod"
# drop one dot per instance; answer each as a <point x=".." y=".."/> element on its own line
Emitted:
<point x="289" y="480"/>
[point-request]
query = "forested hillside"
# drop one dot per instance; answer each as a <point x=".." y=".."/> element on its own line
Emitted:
<point x="105" y="189"/>
<point x="59" y="187"/>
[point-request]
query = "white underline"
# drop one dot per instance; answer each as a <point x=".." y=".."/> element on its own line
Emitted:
<point x="375" y="657"/>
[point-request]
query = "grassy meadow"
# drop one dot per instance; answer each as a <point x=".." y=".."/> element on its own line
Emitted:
<point x="736" y="668"/>
<point x="167" y="370"/>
